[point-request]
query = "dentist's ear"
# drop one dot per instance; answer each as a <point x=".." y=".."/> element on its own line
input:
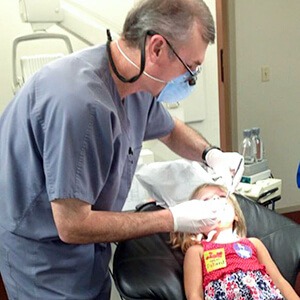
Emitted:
<point x="155" y="47"/>
<point x="158" y="47"/>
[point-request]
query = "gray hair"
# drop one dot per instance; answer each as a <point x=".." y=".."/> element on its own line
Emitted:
<point x="173" y="19"/>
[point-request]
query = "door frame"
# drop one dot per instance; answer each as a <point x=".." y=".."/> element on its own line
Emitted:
<point x="225" y="115"/>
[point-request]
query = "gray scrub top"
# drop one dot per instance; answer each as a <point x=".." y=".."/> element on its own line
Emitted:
<point x="67" y="134"/>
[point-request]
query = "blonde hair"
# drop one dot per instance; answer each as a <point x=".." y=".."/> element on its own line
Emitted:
<point x="185" y="240"/>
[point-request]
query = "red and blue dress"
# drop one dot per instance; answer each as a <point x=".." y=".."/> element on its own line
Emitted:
<point x="232" y="271"/>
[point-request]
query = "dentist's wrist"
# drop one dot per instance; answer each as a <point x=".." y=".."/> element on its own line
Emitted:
<point x="206" y="150"/>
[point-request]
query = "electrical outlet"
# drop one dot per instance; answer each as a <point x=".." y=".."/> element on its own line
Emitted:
<point x="265" y="74"/>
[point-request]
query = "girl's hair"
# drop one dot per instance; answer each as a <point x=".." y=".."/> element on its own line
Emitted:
<point x="172" y="19"/>
<point x="185" y="240"/>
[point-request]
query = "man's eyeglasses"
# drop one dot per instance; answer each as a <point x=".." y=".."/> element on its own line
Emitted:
<point x="193" y="74"/>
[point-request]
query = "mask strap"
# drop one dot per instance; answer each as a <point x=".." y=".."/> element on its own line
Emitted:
<point x="122" y="78"/>
<point x="130" y="61"/>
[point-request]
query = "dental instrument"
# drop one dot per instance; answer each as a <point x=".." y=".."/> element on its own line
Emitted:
<point x="232" y="187"/>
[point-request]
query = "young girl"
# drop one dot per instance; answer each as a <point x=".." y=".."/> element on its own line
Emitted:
<point x="224" y="264"/>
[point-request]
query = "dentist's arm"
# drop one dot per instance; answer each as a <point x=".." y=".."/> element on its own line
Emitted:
<point x="189" y="144"/>
<point x="77" y="223"/>
<point x="185" y="141"/>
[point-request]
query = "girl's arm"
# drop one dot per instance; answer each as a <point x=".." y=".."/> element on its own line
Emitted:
<point x="192" y="271"/>
<point x="281" y="283"/>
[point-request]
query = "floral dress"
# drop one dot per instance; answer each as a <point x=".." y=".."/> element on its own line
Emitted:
<point x="232" y="271"/>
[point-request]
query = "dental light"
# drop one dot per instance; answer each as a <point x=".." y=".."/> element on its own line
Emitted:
<point x="41" y="14"/>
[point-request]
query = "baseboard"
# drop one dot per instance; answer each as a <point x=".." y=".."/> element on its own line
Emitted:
<point x="288" y="209"/>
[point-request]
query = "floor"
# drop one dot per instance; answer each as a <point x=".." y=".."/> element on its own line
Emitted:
<point x="295" y="216"/>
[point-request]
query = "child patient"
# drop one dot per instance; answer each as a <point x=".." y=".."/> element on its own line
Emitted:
<point x="223" y="263"/>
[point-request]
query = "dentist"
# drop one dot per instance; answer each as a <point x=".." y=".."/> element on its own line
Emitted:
<point x="69" y="145"/>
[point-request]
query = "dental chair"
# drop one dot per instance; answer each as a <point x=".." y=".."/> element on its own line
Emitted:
<point x="148" y="268"/>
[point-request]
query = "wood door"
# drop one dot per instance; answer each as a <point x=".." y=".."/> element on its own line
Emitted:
<point x="223" y="71"/>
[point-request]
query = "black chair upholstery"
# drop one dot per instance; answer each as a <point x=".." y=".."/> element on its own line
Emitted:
<point x="148" y="268"/>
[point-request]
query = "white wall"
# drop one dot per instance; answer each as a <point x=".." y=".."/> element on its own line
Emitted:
<point x="263" y="33"/>
<point x="9" y="18"/>
<point x="267" y="33"/>
<point x="9" y="14"/>
<point x="11" y="26"/>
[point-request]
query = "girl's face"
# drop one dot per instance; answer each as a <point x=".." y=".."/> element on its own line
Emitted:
<point x="223" y="206"/>
<point x="209" y="192"/>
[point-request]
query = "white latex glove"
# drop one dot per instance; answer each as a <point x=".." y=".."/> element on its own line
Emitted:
<point x="225" y="164"/>
<point x="194" y="216"/>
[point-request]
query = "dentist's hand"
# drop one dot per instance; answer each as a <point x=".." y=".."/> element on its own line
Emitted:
<point x="227" y="165"/>
<point x="194" y="216"/>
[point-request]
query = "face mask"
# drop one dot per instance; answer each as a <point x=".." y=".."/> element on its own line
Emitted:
<point x="175" y="90"/>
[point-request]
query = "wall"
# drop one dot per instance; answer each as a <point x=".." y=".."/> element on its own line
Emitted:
<point x="9" y="14"/>
<point x="266" y="33"/>
<point x="262" y="33"/>
<point x="11" y="26"/>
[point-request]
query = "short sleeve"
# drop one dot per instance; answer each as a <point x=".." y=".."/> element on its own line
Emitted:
<point x="77" y="150"/>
